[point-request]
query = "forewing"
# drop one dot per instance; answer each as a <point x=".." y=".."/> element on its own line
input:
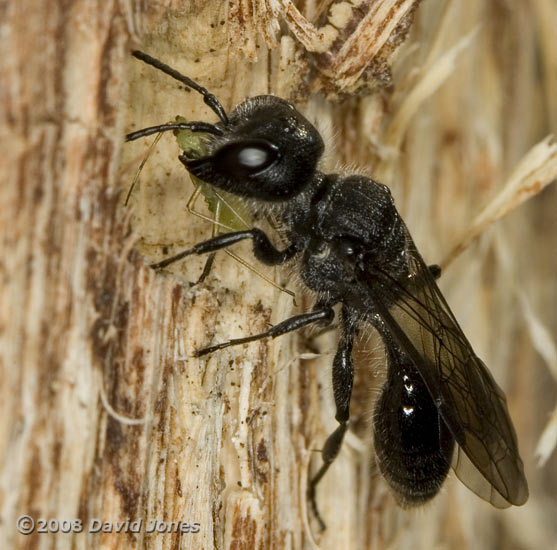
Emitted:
<point x="468" y="398"/>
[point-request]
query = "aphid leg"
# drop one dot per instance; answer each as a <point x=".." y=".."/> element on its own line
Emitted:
<point x="190" y="207"/>
<point x="145" y="158"/>
<point x="343" y="379"/>
<point x="263" y="249"/>
<point x="321" y="314"/>
<point x="211" y="259"/>
<point x="216" y="225"/>
<point x="246" y="264"/>
<point x="249" y="266"/>
<point x="230" y="207"/>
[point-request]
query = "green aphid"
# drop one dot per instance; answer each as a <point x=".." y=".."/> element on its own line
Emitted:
<point x="229" y="210"/>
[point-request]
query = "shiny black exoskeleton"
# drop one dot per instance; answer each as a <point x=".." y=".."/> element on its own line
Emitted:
<point x="352" y="248"/>
<point x="413" y="444"/>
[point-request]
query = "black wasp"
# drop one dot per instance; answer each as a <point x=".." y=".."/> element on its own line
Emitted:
<point x="440" y="406"/>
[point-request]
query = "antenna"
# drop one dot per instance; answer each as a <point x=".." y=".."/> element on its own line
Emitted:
<point x="209" y="99"/>
<point x="203" y="127"/>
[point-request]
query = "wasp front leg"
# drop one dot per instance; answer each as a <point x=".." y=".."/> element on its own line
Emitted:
<point x="263" y="248"/>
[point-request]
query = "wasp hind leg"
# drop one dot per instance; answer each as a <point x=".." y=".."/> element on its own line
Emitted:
<point x="343" y="380"/>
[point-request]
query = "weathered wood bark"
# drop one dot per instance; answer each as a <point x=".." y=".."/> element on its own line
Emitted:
<point x="105" y="415"/>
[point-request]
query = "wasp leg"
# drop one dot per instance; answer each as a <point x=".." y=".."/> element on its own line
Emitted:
<point x="343" y="379"/>
<point x="322" y="314"/>
<point x="206" y="269"/>
<point x="263" y="249"/>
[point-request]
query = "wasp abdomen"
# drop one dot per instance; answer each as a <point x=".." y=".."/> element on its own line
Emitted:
<point x="414" y="447"/>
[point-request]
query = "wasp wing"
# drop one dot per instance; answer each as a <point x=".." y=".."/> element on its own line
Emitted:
<point x="471" y="403"/>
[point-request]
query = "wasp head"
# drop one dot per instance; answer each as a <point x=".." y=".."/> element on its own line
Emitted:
<point x="267" y="151"/>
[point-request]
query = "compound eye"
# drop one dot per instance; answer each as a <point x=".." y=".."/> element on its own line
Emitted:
<point x="253" y="157"/>
<point x="246" y="157"/>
